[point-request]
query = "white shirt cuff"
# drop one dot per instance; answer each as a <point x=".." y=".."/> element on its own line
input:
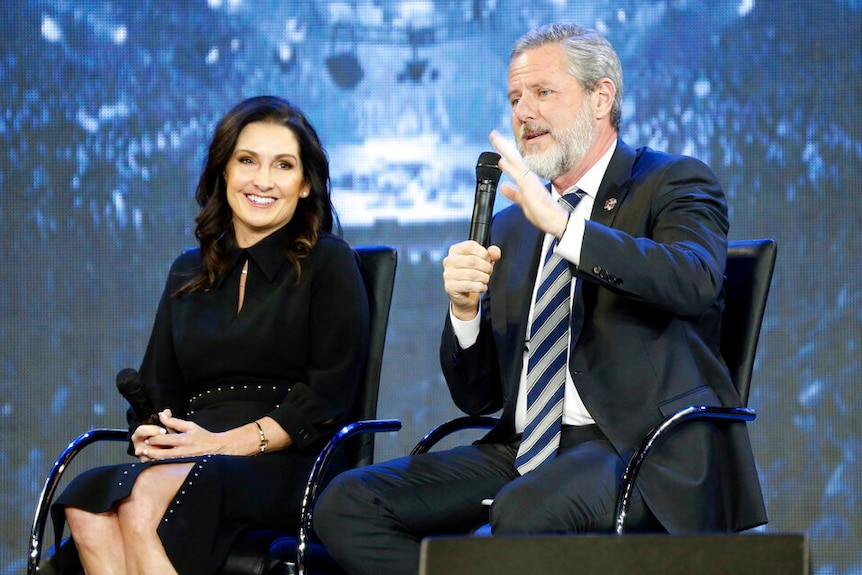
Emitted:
<point x="466" y="332"/>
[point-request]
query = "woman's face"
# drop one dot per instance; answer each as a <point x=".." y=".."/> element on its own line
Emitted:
<point x="264" y="181"/>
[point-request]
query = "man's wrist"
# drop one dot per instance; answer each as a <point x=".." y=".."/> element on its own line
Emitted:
<point x="564" y="224"/>
<point x="465" y="313"/>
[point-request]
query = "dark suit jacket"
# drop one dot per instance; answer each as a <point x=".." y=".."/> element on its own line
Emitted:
<point x="652" y="271"/>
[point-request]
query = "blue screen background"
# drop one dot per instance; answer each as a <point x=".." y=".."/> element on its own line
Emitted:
<point x="106" y="108"/>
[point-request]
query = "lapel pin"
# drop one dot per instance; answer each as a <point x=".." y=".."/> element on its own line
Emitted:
<point x="610" y="204"/>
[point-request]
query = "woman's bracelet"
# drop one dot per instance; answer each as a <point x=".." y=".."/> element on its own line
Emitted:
<point x="264" y="443"/>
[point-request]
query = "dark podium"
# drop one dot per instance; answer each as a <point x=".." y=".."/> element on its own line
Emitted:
<point x="737" y="554"/>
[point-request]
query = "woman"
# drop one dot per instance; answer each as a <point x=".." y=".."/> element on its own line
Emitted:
<point x="257" y="349"/>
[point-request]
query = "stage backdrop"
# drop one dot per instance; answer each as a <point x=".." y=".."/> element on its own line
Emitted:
<point x="106" y="107"/>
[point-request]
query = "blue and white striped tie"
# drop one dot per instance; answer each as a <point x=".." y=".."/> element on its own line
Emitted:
<point x="547" y="358"/>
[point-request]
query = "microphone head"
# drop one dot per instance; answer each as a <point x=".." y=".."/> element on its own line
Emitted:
<point x="128" y="381"/>
<point x="486" y="167"/>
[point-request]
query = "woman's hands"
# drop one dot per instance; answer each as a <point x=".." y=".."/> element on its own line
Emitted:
<point x="178" y="438"/>
<point x="182" y="438"/>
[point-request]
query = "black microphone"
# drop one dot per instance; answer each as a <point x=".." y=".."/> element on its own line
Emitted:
<point x="131" y="387"/>
<point x="487" y="177"/>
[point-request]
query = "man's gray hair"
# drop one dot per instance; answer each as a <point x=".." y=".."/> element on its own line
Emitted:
<point x="591" y="57"/>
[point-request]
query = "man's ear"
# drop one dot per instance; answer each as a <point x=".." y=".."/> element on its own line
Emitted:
<point x="603" y="98"/>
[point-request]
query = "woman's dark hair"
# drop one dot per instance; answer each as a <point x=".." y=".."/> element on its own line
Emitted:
<point x="313" y="213"/>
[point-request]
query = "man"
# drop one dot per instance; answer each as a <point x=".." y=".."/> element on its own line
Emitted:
<point x="646" y="247"/>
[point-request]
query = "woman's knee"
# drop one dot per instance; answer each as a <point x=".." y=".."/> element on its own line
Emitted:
<point x="85" y="526"/>
<point x="151" y="496"/>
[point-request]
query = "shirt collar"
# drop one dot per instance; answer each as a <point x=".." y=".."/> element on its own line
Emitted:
<point x="590" y="182"/>
<point x="269" y="253"/>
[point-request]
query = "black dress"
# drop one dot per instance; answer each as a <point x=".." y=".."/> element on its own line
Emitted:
<point x="295" y="352"/>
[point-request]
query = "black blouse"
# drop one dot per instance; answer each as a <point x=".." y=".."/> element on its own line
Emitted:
<point x="306" y="339"/>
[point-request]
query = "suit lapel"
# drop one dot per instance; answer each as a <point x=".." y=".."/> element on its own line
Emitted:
<point x="609" y="198"/>
<point x="614" y="186"/>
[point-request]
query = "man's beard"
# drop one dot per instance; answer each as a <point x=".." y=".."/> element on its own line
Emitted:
<point x="569" y="147"/>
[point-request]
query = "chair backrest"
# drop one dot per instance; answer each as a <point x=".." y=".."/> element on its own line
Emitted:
<point x="748" y="275"/>
<point x="377" y="264"/>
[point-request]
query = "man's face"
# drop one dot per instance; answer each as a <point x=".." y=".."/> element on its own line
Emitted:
<point x="552" y="118"/>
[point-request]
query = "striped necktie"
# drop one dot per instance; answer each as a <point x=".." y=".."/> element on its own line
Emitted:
<point x="547" y="358"/>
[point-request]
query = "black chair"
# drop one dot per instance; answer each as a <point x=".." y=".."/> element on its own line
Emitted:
<point x="265" y="551"/>
<point x="748" y="275"/>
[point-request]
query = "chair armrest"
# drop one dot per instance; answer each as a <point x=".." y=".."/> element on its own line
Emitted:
<point x="317" y="471"/>
<point x="690" y="413"/>
<point x="53" y="480"/>
<point x="444" y="429"/>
